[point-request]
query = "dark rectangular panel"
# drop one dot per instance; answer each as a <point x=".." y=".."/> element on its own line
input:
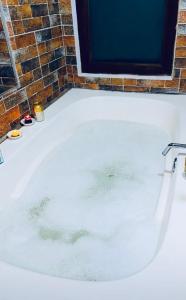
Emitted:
<point x="135" y="37"/>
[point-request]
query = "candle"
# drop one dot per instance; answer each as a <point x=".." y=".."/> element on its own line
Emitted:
<point x="28" y="119"/>
<point x="15" y="133"/>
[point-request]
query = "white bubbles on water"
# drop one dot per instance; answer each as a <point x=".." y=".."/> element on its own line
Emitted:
<point x="87" y="213"/>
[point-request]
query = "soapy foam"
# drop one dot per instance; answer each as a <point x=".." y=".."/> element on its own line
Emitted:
<point x="88" y="211"/>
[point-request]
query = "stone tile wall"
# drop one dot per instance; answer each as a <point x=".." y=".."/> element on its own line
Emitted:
<point x="42" y="41"/>
<point x="176" y="85"/>
<point x="36" y="39"/>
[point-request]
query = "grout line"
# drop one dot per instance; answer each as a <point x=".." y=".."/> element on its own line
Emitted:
<point x="35" y="31"/>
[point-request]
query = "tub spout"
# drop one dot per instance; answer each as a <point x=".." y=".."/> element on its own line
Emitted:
<point x="172" y="145"/>
<point x="1" y="157"/>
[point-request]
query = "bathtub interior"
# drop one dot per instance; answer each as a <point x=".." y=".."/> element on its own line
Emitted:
<point x="73" y="235"/>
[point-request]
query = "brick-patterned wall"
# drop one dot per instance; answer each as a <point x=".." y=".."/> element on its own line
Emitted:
<point x="36" y="39"/>
<point x="177" y="85"/>
<point x="42" y="41"/>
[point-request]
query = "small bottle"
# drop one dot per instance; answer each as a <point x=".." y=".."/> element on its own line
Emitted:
<point x="39" y="111"/>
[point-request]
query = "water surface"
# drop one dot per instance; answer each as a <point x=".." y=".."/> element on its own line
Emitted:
<point x="88" y="211"/>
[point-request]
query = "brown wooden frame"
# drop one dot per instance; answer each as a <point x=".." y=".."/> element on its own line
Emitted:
<point x="164" y="67"/>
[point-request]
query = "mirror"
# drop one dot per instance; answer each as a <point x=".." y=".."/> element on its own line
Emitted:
<point x="8" y="79"/>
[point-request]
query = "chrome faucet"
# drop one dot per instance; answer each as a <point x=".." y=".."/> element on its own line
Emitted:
<point x="1" y="157"/>
<point x="172" y="145"/>
<point x="176" y="145"/>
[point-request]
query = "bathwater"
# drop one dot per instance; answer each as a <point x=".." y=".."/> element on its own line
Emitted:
<point x="88" y="211"/>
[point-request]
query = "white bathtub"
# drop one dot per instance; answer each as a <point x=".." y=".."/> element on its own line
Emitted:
<point x="165" y="277"/>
